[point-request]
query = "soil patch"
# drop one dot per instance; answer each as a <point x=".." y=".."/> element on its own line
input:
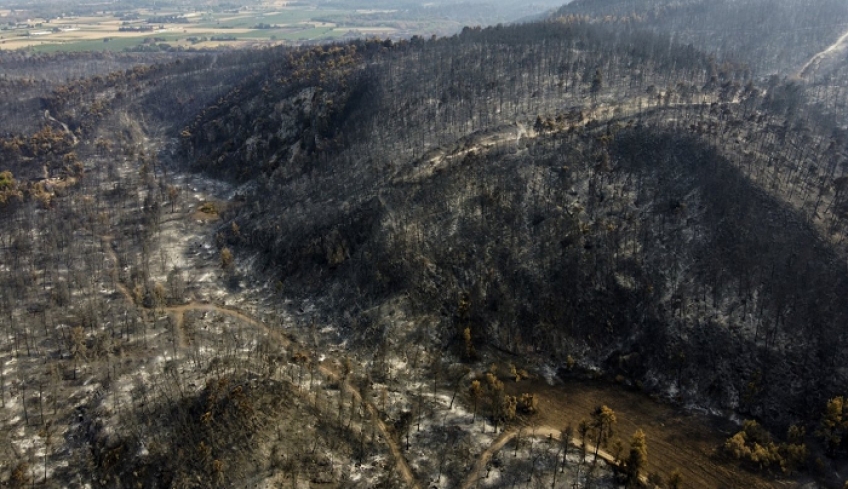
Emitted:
<point x="677" y="439"/>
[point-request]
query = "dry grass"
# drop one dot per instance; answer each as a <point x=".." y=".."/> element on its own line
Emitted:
<point x="676" y="439"/>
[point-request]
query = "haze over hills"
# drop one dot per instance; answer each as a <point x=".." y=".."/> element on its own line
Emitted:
<point x="434" y="261"/>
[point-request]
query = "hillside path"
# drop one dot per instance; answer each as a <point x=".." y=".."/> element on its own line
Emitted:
<point x="840" y="46"/>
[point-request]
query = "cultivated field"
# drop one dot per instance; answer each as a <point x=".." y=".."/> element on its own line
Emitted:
<point x="272" y="22"/>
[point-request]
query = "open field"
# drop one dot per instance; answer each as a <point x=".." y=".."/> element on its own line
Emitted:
<point x="677" y="439"/>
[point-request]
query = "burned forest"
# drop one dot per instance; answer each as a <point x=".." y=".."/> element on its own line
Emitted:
<point x="600" y="248"/>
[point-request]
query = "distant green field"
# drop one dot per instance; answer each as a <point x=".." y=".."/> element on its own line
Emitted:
<point x="310" y="34"/>
<point x="287" y="17"/>
<point x="118" y="44"/>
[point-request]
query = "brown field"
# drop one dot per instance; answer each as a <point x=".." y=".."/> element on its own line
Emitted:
<point x="676" y="439"/>
<point x="290" y="24"/>
<point x="99" y="31"/>
<point x="96" y="28"/>
<point x="367" y="30"/>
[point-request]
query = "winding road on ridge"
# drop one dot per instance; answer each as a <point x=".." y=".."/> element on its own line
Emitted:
<point x="832" y="51"/>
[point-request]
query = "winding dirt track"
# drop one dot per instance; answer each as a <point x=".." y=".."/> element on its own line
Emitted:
<point x="178" y="315"/>
<point x="535" y="432"/>
<point x="64" y="126"/>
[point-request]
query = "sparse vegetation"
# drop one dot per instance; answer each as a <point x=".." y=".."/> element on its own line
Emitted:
<point x="755" y="446"/>
<point x="637" y="460"/>
<point x="209" y="208"/>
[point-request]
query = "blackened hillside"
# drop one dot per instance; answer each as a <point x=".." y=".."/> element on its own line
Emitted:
<point x="565" y="189"/>
<point x="772" y="36"/>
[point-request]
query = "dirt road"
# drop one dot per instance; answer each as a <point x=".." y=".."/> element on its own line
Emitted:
<point x="536" y="432"/>
<point x="64" y="126"/>
<point x="178" y="314"/>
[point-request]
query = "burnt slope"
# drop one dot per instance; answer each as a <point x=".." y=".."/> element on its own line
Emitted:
<point x="772" y="36"/>
<point x="617" y="228"/>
